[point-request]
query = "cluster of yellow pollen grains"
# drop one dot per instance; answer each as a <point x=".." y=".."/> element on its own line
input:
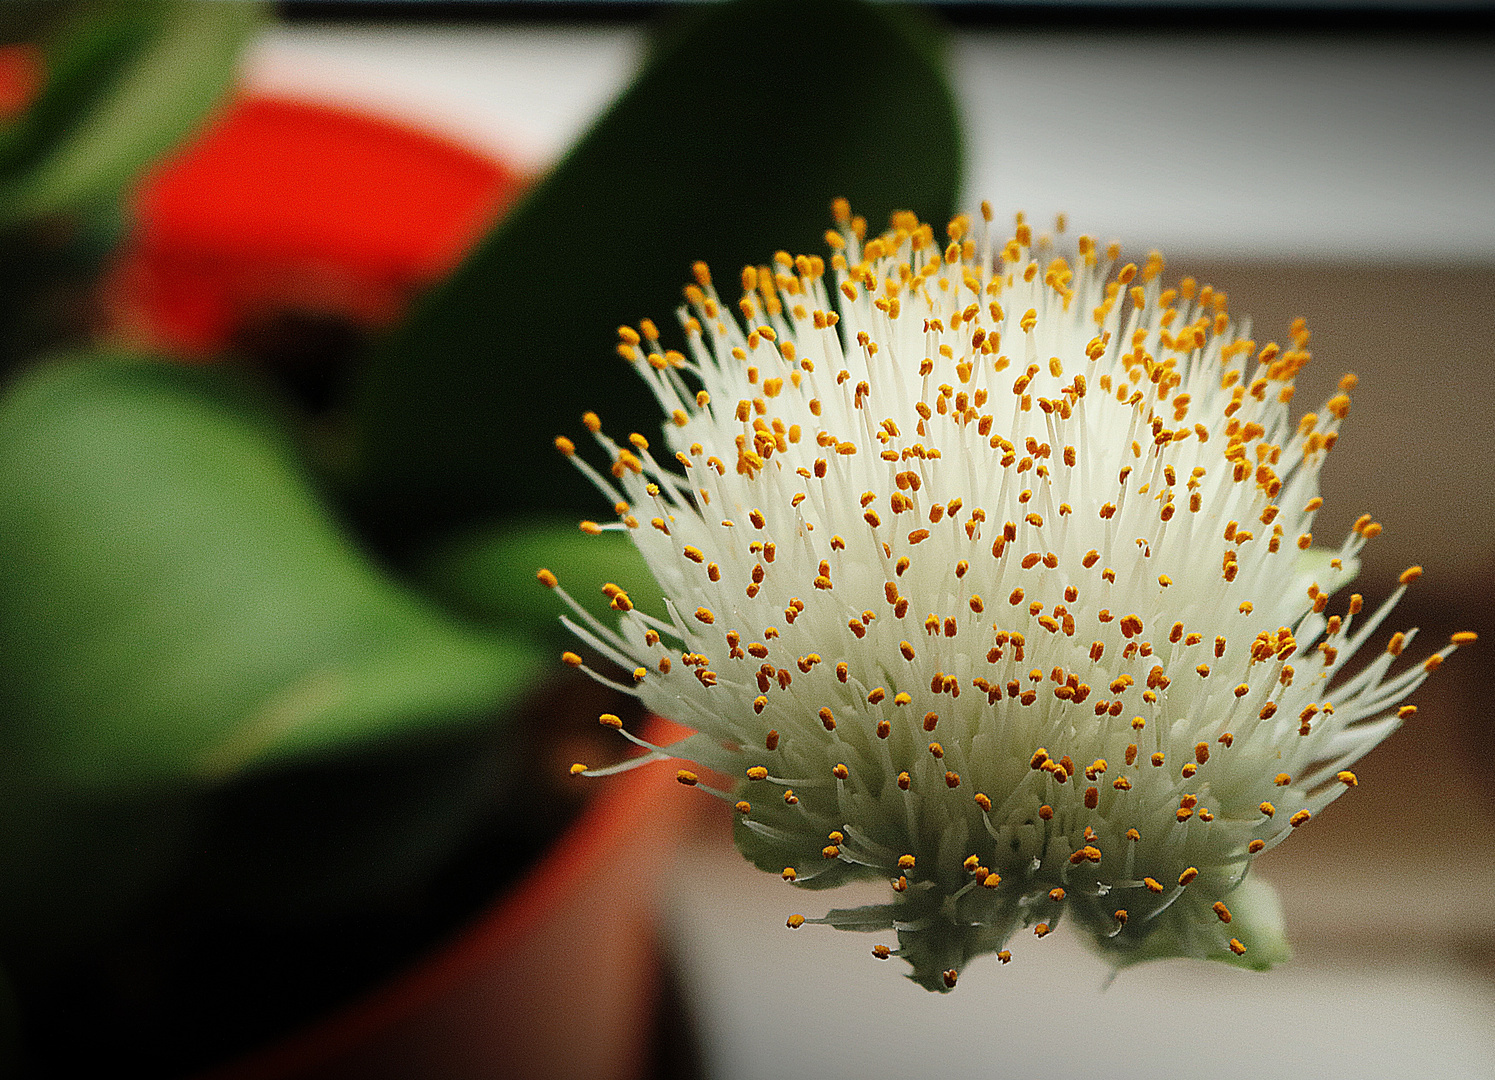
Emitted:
<point x="990" y="573"/>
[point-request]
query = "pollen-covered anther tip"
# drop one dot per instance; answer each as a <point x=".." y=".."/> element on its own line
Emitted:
<point x="1464" y="637"/>
<point x="688" y="778"/>
<point x="546" y="578"/>
<point x="882" y="952"/>
<point x="1410" y="574"/>
<point x="1236" y="947"/>
<point x="794" y="922"/>
<point x="577" y="769"/>
<point x="1348" y="779"/>
<point x="950" y="976"/>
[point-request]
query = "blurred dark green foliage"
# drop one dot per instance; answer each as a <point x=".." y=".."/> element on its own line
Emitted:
<point x="252" y="690"/>
<point x="748" y="120"/>
<point x="123" y="82"/>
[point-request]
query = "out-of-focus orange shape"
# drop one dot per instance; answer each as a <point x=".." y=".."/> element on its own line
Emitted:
<point x="285" y="205"/>
<point x="22" y="72"/>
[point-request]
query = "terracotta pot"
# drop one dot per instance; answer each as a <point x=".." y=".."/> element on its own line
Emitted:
<point x="557" y="978"/>
<point x="282" y="205"/>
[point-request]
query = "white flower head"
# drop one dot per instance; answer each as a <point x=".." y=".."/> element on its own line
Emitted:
<point x="989" y="573"/>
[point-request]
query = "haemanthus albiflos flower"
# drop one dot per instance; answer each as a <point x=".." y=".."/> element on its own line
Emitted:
<point x="989" y="572"/>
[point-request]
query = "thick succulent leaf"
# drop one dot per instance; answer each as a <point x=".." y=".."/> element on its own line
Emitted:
<point x="489" y="574"/>
<point x="124" y="83"/>
<point x="744" y="125"/>
<point x="176" y="605"/>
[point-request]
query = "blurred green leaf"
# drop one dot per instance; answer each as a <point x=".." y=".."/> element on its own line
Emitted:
<point x="176" y="605"/>
<point x="730" y="145"/>
<point x="489" y="574"/>
<point x="125" y="81"/>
